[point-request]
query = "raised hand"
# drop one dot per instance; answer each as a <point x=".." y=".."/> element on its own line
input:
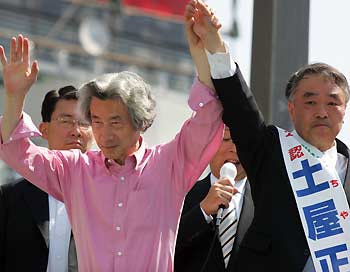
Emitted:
<point x="18" y="75"/>
<point x="190" y="14"/>
<point x="196" y="45"/>
<point x="206" y="26"/>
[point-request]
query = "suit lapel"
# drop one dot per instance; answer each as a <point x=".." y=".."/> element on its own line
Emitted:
<point x="204" y="187"/>
<point x="38" y="204"/>
<point x="244" y="222"/>
<point x="246" y="216"/>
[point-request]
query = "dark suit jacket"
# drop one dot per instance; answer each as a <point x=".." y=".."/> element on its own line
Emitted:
<point x="24" y="229"/>
<point x="195" y="234"/>
<point x="276" y="227"/>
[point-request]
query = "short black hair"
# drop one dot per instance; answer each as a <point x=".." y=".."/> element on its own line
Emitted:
<point x="318" y="68"/>
<point x="52" y="97"/>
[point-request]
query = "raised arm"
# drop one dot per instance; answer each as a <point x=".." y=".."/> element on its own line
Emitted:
<point x="18" y="77"/>
<point x="198" y="22"/>
<point x="240" y="110"/>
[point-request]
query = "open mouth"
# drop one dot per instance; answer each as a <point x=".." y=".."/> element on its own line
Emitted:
<point x="235" y="162"/>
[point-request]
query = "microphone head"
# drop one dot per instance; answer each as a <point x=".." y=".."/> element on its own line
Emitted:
<point x="228" y="170"/>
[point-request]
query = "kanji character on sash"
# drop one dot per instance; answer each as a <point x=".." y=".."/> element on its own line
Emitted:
<point x="322" y="220"/>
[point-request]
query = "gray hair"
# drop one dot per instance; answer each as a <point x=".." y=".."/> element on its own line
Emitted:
<point x="318" y="68"/>
<point x="130" y="88"/>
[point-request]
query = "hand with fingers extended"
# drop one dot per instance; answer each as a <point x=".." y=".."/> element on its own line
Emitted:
<point x="220" y="193"/>
<point x="18" y="74"/>
<point x="205" y="26"/>
<point x="18" y="77"/>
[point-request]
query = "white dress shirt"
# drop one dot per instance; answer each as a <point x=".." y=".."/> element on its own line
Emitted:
<point x="59" y="237"/>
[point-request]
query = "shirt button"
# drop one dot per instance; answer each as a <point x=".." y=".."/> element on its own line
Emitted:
<point x="122" y="178"/>
<point x="120" y="204"/>
<point x="10" y="139"/>
<point x="58" y="257"/>
<point x="120" y="253"/>
<point x="201" y="104"/>
<point x="32" y="134"/>
<point x="118" y="228"/>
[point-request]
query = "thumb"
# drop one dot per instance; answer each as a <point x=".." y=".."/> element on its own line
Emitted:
<point x="34" y="71"/>
<point x="2" y="56"/>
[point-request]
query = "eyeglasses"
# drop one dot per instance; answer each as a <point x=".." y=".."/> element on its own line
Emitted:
<point x="69" y="123"/>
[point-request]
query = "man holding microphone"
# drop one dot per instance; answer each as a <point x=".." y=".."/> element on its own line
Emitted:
<point x="201" y="245"/>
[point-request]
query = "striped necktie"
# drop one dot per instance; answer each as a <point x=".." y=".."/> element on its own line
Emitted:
<point x="227" y="231"/>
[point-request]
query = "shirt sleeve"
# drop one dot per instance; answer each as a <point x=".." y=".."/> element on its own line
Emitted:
<point x="221" y="64"/>
<point x="198" y="139"/>
<point x="47" y="169"/>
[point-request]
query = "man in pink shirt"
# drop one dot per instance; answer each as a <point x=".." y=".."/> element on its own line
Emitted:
<point x="124" y="201"/>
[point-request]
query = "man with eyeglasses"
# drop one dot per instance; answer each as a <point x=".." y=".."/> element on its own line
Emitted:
<point x="35" y="234"/>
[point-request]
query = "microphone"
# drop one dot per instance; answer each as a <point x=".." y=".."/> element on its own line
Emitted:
<point x="228" y="170"/>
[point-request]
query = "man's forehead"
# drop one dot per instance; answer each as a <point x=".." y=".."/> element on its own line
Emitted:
<point x="314" y="92"/>
<point x="66" y="108"/>
<point x="317" y="78"/>
<point x="318" y="84"/>
<point x="66" y="103"/>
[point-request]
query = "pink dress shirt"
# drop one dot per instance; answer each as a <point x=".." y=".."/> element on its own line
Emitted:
<point x="124" y="218"/>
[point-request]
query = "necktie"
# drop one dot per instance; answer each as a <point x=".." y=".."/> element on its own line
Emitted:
<point x="227" y="231"/>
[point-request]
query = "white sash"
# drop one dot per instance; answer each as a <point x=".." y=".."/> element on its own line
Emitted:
<point x="322" y="204"/>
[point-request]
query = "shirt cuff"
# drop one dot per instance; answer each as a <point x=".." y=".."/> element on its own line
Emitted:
<point x="221" y="64"/>
<point x="207" y="218"/>
<point x="200" y="95"/>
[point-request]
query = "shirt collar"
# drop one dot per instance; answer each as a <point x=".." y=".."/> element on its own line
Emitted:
<point x="239" y="185"/>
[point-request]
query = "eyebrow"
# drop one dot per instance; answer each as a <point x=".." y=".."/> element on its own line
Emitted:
<point x="309" y="94"/>
<point x="312" y="94"/>
<point x="113" y="118"/>
<point x="335" y="96"/>
<point x="117" y="117"/>
<point x="65" y="115"/>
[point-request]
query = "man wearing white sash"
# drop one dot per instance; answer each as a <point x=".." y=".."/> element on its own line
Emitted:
<point x="299" y="179"/>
